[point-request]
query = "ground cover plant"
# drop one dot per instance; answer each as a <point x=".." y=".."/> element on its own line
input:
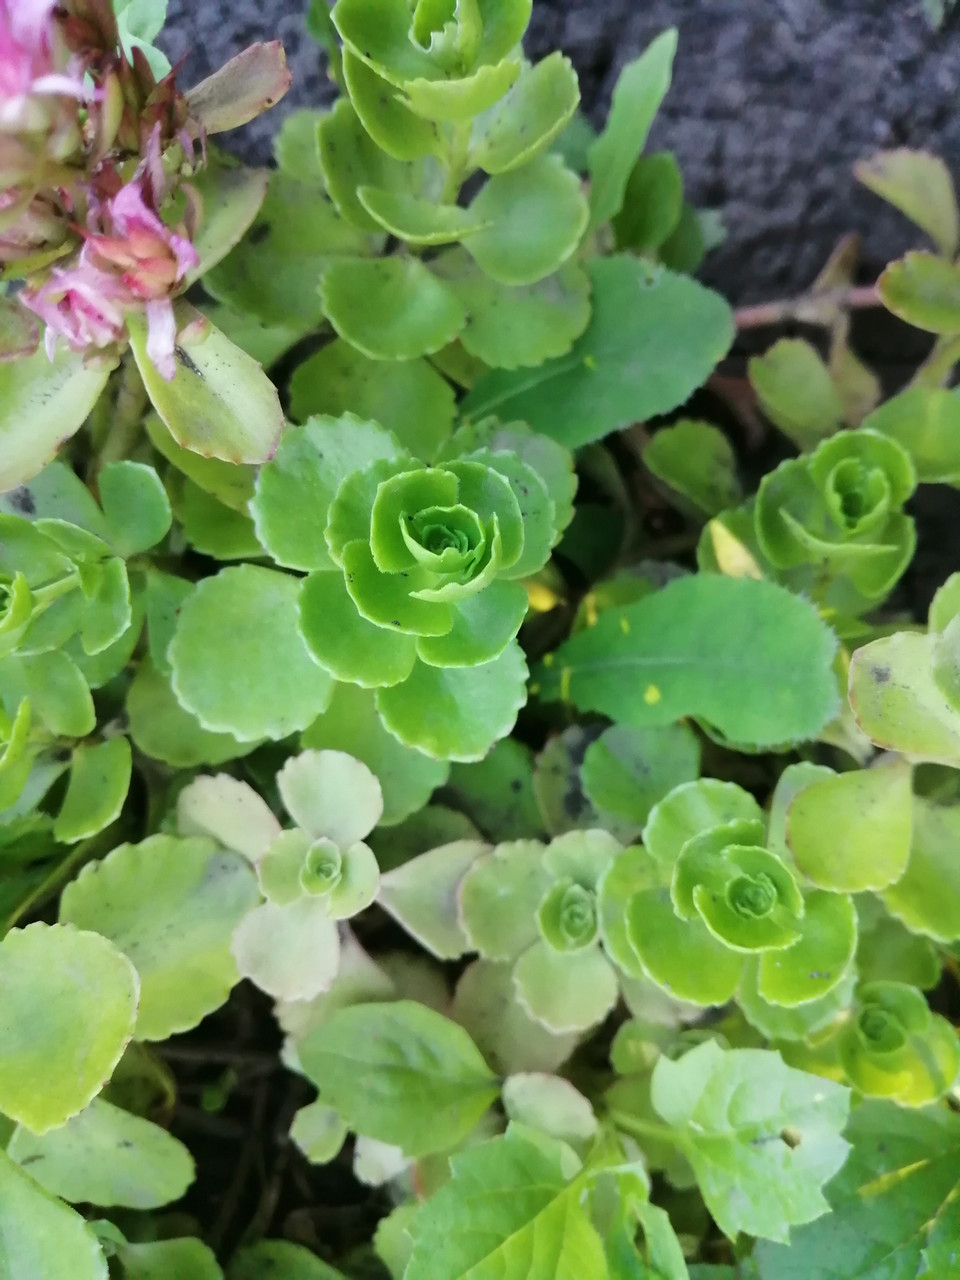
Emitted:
<point x="473" y="804"/>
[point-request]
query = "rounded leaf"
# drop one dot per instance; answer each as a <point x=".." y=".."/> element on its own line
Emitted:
<point x="927" y="897"/>
<point x="69" y="1010"/>
<point x="99" y="780"/>
<point x="456" y="713"/>
<point x="230" y="812"/>
<point x="330" y="794"/>
<point x="820" y="959"/>
<point x="681" y="956"/>
<point x="565" y="991"/>
<point x="549" y="1104"/>
<point x="238" y="631"/>
<point x="499" y="896"/>
<point x="162" y="729"/>
<point x="528" y="118"/>
<point x="292" y="952"/>
<point x="344" y="642"/>
<point x="535" y="218"/>
<point x="897" y="703"/>
<point x="42" y="1237"/>
<point x="170" y="905"/>
<point x="691" y="808"/>
<point x="924" y="290"/>
<point x="390" y="308"/>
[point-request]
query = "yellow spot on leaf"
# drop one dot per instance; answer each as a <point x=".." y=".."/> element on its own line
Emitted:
<point x="624" y="624"/>
<point x="542" y="599"/>
<point x="652" y="695"/>
<point x="590" y="609"/>
<point x="733" y="558"/>
<point x="590" y="362"/>
<point x="565" y="676"/>
<point x="548" y="659"/>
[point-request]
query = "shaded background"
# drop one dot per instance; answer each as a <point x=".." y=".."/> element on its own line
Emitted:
<point x="772" y="102"/>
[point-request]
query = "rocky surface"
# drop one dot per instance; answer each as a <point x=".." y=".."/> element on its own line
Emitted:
<point x="772" y="102"/>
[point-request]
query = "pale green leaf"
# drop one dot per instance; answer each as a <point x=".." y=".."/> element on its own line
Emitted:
<point x="417" y="219"/>
<point x="228" y="482"/>
<point x="230" y="812"/>
<point x="330" y="794"/>
<point x="527" y="118"/>
<point x="220" y="403"/>
<point x="924" y="290"/>
<point x="390" y="123"/>
<point x="654" y="337"/>
<point x="69" y="1008"/>
<point x="238" y="631"/>
<point x="796" y="392"/>
<point x="697" y="461"/>
<point x="291" y="951"/>
<point x="180" y="1259"/>
<point x="897" y="703"/>
<point x="99" y="779"/>
<point x="170" y="905"/>
<point x="565" y="991"/>
<point x="231" y="197"/>
<point x="135" y="505"/>
<point x="318" y="1131"/>
<point x="550" y="1104"/>
<point x="919" y="185"/>
<point x="161" y="728"/>
<point x="627" y="771"/>
<point x="215" y="529"/>
<point x="486" y="1004"/>
<point x="733" y="1113"/>
<point x="105" y="1156"/>
<point x="925" y="421"/>
<point x="400" y="1073"/>
<point x="927" y="897"/>
<point x="422" y="895"/>
<point x="42" y="1238"/>
<point x="279" y="1259"/>
<point x="747" y="656"/>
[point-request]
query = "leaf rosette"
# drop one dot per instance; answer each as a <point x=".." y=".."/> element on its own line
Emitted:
<point x="840" y="510"/>
<point x="894" y="1047"/>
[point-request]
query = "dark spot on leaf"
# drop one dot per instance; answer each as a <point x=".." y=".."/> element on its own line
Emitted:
<point x="22" y="500"/>
<point x="880" y="674"/>
<point x="516" y="786"/>
<point x="187" y="363"/>
<point x="791" y="1137"/>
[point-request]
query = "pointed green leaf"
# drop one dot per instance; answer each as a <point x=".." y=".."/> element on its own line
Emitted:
<point x="654" y="337"/>
<point x="534" y="217"/>
<point x="400" y="1073"/>
<point x="44" y="404"/>
<point x="52" y="1066"/>
<point x="733" y="1112"/>
<point x="351" y="724"/>
<point x="99" y="779"/>
<point x="135" y="505"/>
<point x="509" y="1212"/>
<point x="852" y="832"/>
<point x="641" y="88"/>
<point x="105" y="1156"/>
<point x="457" y="713"/>
<point x="652" y="204"/>
<point x="924" y="290"/>
<point x="220" y="403"/>
<point x="406" y="396"/>
<point x="920" y="186"/>
<point x="422" y="895"/>
<point x="390" y="308"/>
<point x="170" y="905"/>
<point x="238" y="630"/>
<point x="694" y="648"/>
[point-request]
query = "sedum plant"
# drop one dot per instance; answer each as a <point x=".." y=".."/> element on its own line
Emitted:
<point x="461" y="823"/>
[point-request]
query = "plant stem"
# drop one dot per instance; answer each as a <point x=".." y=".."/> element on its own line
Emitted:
<point x="811" y="308"/>
<point x="127" y="413"/>
<point x="939" y="363"/>
<point x="644" y="1128"/>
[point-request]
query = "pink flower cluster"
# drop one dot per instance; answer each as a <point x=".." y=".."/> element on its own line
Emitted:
<point x="133" y="262"/>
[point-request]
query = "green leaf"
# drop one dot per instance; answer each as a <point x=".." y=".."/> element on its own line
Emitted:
<point x="351" y="724"/>
<point x="534" y="218"/>
<point x="303" y="477"/>
<point x="345" y="643"/>
<point x="897" y="703"/>
<point x="109" y="612"/>
<point x="330" y="795"/>
<point x="497" y="793"/>
<point x="416" y="219"/>
<point x="516" y="327"/>
<point x="550" y="1104"/>
<point x="509" y="1212"/>
<point x="44" y="403"/>
<point x="265" y="342"/>
<point x="924" y="290"/>
<point x="456" y="713"/>
<point x="319" y="1132"/>
<point x="406" y="396"/>
<point x="215" y="529"/>
<point x="226" y="481"/>
<point x="273" y="274"/>
<point x="290" y="951"/>
<point x="230" y="812"/>
<point x="162" y="729"/>
<point x="460" y="100"/>
<point x="528" y="118"/>
<point x="220" y="403"/>
<point x="483" y="626"/>
<point x="389" y="121"/>
<point x="565" y="991"/>
<point x="749" y="657"/>
<point x="796" y="391"/>
<point x="53" y="1064"/>
<point x="852" y="832"/>
<point x="422" y="895"/>
<point x="185" y="1259"/>
<point x="892" y="1202"/>
<point x="58" y="694"/>
<point x="819" y="961"/>
<point x="230" y="197"/>
<point x="135" y="505"/>
<point x="390" y="308"/>
<point x="486" y="1004"/>
<point x="762" y="1138"/>
<point x="351" y="160"/>
<point x="637" y="96"/>
<point x="105" y="1156"/>
<point x="400" y="1073"/>
<point x="652" y="204"/>
<point x="924" y="421"/>
<point x="56" y="492"/>
<point x="888" y="952"/>
<point x="269" y="1259"/>
<point x="653" y="338"/>
<point x="238" y="630"/>
<point x="99" y="779"/>
<point x="171" y="906"/>
<point x="927" y="897"/>
<point x="680" y="956"/>
<point x="796" y="1022"/>
<point x="627" y="771"/>
<point x="42" y="1238"/>
<point x="920" y="186"/>
<point x="698" y="462"/>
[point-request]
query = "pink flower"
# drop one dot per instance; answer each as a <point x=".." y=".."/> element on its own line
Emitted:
<point x="81" y="304"/>
<point x="38" y="95"/>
